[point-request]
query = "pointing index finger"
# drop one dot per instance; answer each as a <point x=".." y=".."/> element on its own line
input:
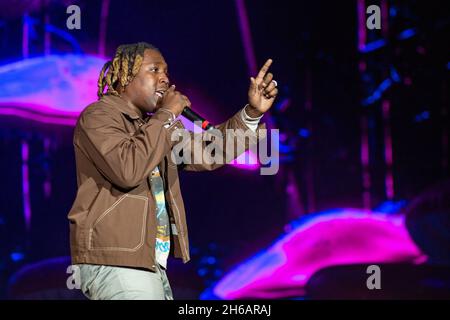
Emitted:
<point x="263" y="71"/>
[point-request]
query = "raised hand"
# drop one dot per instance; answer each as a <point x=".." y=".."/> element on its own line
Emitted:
<point x="262" y="91"/>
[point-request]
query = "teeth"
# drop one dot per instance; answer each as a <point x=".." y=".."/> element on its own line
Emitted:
<point x="160" y="93"/>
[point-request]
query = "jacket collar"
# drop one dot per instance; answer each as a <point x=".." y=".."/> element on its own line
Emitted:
<point x="122" y="105"/>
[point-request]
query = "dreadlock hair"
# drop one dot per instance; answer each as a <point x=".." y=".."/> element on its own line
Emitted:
<point x="123" y="68"/>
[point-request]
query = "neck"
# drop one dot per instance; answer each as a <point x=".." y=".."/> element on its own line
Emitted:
<point x="131" y="105"/>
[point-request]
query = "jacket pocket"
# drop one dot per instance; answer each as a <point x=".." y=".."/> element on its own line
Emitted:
<point x="122" y="226"/>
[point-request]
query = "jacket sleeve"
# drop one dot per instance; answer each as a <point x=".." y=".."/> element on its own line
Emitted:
<point x="125" y="159"/>
<point x="235" y="123"/>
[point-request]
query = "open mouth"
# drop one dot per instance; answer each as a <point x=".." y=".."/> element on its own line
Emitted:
<point x="160" y="93"/>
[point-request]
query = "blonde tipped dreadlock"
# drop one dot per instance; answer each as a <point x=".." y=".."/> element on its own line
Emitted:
<point x="123" y="68"/>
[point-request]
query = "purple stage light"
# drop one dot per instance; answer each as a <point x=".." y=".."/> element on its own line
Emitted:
<point x="50" y="89"/>
<point x="340" y="237"/>
<point x="26" y="186"/>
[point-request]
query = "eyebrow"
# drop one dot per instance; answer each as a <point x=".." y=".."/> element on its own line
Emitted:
<point x="154" y="62"/>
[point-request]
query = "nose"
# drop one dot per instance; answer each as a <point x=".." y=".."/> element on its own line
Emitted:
<point x="164" y="79"/>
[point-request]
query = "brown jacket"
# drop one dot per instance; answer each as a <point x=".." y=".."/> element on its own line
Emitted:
<point x="113" y="220"/>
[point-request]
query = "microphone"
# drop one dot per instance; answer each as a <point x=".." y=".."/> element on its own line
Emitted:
<point x="194" y="117"/>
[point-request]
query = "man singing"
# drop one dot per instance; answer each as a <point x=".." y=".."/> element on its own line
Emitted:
<point x="128" y="215"/>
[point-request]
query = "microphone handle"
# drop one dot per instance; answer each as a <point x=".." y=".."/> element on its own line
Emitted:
<point x="194" y="117"/>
